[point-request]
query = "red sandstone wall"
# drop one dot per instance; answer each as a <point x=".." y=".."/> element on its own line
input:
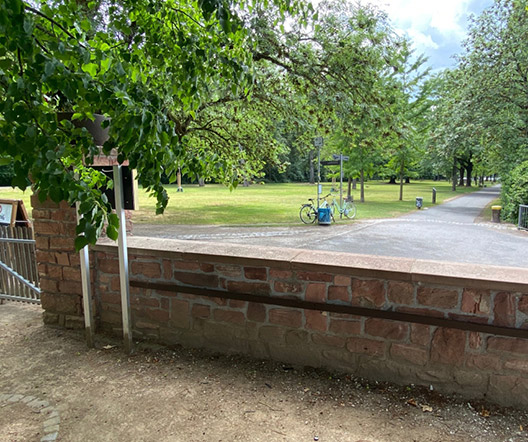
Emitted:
<point x="472" y="363"/>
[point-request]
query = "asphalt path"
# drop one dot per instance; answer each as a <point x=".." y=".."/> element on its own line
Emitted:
<point x="451" y="231"/>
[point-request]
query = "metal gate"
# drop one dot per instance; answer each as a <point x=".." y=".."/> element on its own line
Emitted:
<point x="523" y="217"/>
<point x="18" y="265"/>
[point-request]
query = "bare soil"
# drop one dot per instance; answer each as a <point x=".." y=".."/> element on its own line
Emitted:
<point x="177" y="394"/>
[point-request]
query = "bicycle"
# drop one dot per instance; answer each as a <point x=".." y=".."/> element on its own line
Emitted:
<point x="348" y="208"/>
<point x="308" y="212"/>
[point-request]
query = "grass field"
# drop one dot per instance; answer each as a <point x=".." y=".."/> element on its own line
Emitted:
<point x="270" y="204"/>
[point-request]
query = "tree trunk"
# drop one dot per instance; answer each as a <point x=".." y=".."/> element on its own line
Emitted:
<point x="454" y="176"/>
<point x="349" y="189"/>
<point x="201" y="182"/>
<point x="312" y="173"/>
<point x="362" y="185"/>
<point x="354" y="184"/>
<point x="461" y="182"/>
<point x="407" y="180"/>
<point x="392" y="180"/>
<point x="469" y="171"/>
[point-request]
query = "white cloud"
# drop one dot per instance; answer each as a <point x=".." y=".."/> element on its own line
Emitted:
<point x="445" y="16"/>
<point x="421" y="40"/>
<point x="436" y="28"/>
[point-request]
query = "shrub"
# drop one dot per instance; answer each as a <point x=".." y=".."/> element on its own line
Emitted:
<point x="6" y="175"/>
<point x="515" y="192"/>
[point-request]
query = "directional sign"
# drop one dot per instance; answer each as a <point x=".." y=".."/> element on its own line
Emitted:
<point x="330" y="163"/>
<point x="318" y="142"/>
<point x="339" y="157"/>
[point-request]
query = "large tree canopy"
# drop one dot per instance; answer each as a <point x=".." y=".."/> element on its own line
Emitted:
<point x="482" y="116"/>
<point x="155" y="68"/>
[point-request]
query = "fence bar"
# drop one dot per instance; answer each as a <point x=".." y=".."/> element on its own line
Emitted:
<point x="89" y="326"/>
<point x="19" y="298"/>
<point x="18" y="241"/>
<point x="124" y="282"/>
<point x="18" y="277"/>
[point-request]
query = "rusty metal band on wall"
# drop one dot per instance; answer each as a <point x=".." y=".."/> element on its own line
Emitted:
<point x="336" y="308"/>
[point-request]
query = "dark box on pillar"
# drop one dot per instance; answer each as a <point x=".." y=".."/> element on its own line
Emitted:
<point x="129" y="186"/>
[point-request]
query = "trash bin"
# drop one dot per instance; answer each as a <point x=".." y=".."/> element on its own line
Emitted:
<point x="495" y="213"/>
<point x="419" y="202"/>
<point x="323" y="216"/>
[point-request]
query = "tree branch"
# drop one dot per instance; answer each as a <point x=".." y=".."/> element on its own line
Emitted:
<point x="55" y="23"/>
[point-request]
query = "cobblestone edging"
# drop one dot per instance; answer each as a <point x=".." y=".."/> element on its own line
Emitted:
<point x="50" y="425"/>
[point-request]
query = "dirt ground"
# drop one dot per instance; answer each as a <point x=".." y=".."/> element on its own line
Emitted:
<point x="48" y="377"/>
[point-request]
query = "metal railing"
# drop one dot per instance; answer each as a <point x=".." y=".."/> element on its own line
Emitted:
<point x="523" y="217"/>
<point x="18" y="265"/>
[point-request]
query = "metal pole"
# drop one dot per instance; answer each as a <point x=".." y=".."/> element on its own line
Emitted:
<point x="318" y="176"/>
<point x="89" y="325"/>
<point x="123" y="260"/>
<point x="341" y="184"/>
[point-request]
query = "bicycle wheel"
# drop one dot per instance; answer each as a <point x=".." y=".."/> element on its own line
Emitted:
<point x="308" y="214"/>
<point x="349" y="210"/>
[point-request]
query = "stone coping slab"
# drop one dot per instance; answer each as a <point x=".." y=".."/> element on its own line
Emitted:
<point x="366" y="266"/>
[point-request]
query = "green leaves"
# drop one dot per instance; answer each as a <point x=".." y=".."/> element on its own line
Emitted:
<point x="161" y="71"/>
<point x="90" y="68"/>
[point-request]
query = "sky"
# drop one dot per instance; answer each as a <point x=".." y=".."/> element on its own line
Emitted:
<point x="437" y="28"/>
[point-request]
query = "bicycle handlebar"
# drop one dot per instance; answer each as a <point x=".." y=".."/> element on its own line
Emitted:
<point x="321" y="197"/>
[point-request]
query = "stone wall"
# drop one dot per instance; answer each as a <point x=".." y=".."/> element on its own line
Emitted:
<point x="457" y="327"/>
<point x="453" y="356"/>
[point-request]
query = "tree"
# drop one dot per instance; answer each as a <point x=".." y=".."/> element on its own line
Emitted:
<point x="495" y="80"/>
<point x="357" y="52"/>
<point x="149" y="66"/>
<point x="409" y="107"/>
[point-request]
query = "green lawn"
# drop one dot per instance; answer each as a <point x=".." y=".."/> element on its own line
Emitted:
<point x="274" y="204"/>
<point x="270" y="204"/>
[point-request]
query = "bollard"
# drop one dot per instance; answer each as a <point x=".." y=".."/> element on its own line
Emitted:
<point x="434" y="195"/>
<point x="495" y="213"/>
<point x="419" y="202"/>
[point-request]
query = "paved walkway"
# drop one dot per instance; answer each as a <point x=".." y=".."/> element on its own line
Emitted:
<point x="447" y="232"/>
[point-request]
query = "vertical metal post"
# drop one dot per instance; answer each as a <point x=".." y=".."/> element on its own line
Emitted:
<point x="341" y="184"/>
<point x="318" y="176"/>
<point x="89" y="326"/>
<point x="123" y="260"/>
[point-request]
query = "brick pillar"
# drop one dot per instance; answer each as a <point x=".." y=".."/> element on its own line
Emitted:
<point x="58" y="262"/>
<point x="111" y="160"/>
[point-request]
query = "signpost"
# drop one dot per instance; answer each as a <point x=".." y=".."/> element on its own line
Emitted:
<point x="318" y="142"/>
<point x="337" y="160"/>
